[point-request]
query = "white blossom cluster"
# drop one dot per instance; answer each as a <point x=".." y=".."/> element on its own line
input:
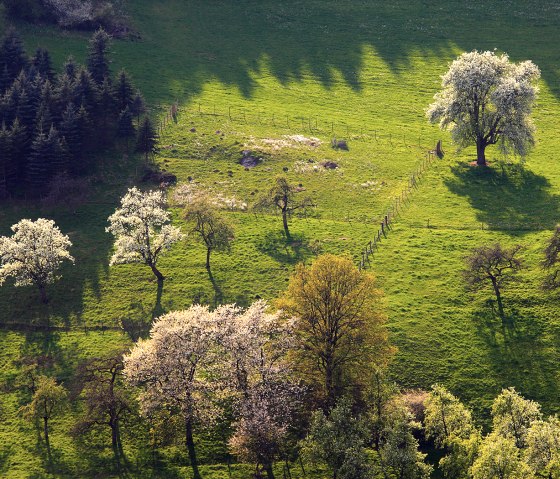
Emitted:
<point x="140" y="228"/>
<point x="196" y="356"/>
<point x="33" y="254"/>
<point x="487" y="97"/>
<point x="71" y="12"/>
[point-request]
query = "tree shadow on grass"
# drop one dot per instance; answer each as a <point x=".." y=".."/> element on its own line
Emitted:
<point x="519" y="351"/>
<point x="292" y="250"/>
<point x="507" y="197"/>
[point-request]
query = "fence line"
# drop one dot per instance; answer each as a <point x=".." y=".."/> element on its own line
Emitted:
<point x="314" y="125"/>
<point x="317" y="124"/>
<point x="397" y="206"/>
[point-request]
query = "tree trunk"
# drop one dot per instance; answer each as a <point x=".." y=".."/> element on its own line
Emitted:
<point x="208" y="251"/>
<point x="480" y="152"/>
<point x="157" y="273"/>
<point x="46" y="432"/>
<point x="190" y="447"/>
<point x="329" y="387"/>
<point x="498" y="297"/>
<point x="285" y="222"/>
<point x="43" y="292"/>
<point x="269" y="471"/>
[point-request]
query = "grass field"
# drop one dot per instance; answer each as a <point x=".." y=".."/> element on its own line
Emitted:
<point x="363" y="71"/>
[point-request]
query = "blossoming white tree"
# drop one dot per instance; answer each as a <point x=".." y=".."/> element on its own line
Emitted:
<point x="33" y="254"/>
<point x="140" y="229"/>
<point x="486" y="99"/>
<point x="169" y="367"/>
<point x="256" y="346"/>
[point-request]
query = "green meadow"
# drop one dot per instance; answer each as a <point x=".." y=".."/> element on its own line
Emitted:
<point x="281" y="80"/>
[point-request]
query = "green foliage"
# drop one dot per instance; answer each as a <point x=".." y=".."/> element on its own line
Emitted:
<point x="338" y="441"/>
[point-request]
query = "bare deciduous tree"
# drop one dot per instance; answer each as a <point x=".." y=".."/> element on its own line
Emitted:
<point x="494" y="264"/>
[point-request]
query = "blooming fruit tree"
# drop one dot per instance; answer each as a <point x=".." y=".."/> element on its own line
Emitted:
<point x="486" y="99"/>
<point x="140" y="229"/>
<point x="33" y="254"/>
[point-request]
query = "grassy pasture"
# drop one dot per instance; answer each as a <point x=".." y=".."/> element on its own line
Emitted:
<point x="353" y="67"/>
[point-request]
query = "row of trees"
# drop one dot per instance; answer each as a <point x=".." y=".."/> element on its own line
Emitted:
<point x="51" y="123"/>
<point x="261" y="375"/>
<point x="256" y="372"/>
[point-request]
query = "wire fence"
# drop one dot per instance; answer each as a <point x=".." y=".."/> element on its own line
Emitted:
<point x="313" y="124"/>
<point x="316" y="124"/>
<point x="397" y="206"/>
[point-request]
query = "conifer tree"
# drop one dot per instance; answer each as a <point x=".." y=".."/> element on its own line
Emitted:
<point x="86" y="90"/>
<point x="5" y="80"/>
<point x="97" y="61"/>
<point x="20" y="146"/>
<point x="12" y="54"/>
<point x="125" y="127"/>
<point x="70" y="130"/>
<point x="26" y="110"/>
<point x="37" y="166"/>
<point x="147" y="138"/>
<point x="124" y="91"/>
<point x="106" y="113"/>
<point x="42" y="63"/>
<point x="56" y="159"/>
<point x="70" y="67"/>
<point x="138" y="106"/>
<point x="6" y="159"/>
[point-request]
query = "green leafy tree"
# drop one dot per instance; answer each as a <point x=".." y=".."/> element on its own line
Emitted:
<point x="486" y="99"/>
<point x="341" y="325"/>
<point x="512" y="416"/>
<point x="499" y="458"/>
<point x="449" y="423"/>
<point x="210" y="226"/>
<point x="399" y="452"/>
<point x="338" y="440"/>
<point x="47" y="401"/>
<point x="282" y="196"/>
<point x="543" y="447"/>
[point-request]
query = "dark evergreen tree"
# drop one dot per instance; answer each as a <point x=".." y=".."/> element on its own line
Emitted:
<point x="43" y="119"/>
<point x="124" y="91"/>
<point x="97" y="61"/>
<point x="86" y="90"/>
<point x="42" y="63"/>
<point x="71" y="68"/>
<point x="125" y="128"/>
<point x="147" y="138"/>
<point x="20" y="145"/>
<point x="5" y="79"/>
<point x="106" y="112"/>
<point x="6" y="160"/>
<point x="138" y="106"/>
<point x="12" y="54"/>
<point x="65" y="91"/>
<point x="10" y="102"/>
<point x="70" y="131"/>
<point x="26" y="110"/>
<point x="38" y="163"/>
<point x="58" y="150"/>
